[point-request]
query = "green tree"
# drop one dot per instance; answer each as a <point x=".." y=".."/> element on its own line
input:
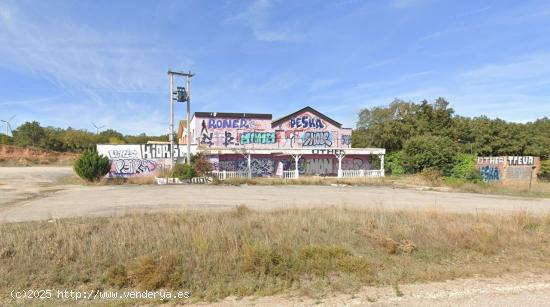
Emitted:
<point x="389" y="127"/>
<point x="29" y="134"/>
<point x="429" y="151"/>
<point x="54" y="139"/>
<point x="78" y="140"/>
<point x="110" y="136"/>
<point x="5" y="139"/>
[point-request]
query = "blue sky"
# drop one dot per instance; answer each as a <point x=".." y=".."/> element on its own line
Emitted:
<point x="66" y="63"/>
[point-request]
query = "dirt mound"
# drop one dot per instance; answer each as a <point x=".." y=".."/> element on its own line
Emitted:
<point x="17" y="156"/>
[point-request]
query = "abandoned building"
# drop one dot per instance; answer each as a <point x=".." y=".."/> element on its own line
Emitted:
<point x="305" y="142"/>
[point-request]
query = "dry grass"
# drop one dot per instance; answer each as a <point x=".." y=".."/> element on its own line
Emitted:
<point x="16" y="156"/>
<point x="243" y="252"/>
<point x="305" y="180"/>
<point x="538" y="189"/>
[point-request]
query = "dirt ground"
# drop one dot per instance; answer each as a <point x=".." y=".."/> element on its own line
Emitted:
<point x="38" y="193"/>
<point x="511" y="290"/>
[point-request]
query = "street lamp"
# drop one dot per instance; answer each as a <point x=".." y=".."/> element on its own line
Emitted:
<point x="181" y="95"/>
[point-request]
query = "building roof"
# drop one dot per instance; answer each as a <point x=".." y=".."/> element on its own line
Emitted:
<point x="233" y="115"/>
<point x="306" y="109"/>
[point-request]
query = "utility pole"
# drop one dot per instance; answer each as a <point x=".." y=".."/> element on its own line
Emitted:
<point x="182" y="95"/>
<point x="171" y="136"/>
<point x="189" y="118"/>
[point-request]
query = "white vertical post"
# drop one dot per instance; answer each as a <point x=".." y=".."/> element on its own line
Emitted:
<point x="340" y="157"/>
<point x="296" y="170"/>
<point x="381" y="165"/>
<point x="340" y="173"/>
<point x="249" y="158"/>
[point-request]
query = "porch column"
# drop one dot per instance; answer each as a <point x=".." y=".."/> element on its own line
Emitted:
<point x="381" y="157"/>
<point x="296" y="170"/>
<point x="340" y="157"/>
<point x="249" y="160"/>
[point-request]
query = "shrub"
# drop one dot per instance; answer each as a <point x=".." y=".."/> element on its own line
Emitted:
<point x="465" y="168"/>
<point x="394" y="163"/>
<point x="201" y="164"/>
<point x="183" y="171"/>
<point x="91" y="166"/>
<point x="6" y="139"/>
<point x="429" y="151"/>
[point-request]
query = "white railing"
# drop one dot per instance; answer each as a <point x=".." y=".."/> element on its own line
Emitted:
<point x="224" y="175"/>
<point x="362" y="173"/>
<point x="289" y="175"/>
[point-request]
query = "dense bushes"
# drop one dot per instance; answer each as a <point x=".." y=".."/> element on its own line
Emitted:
<point x="91" y="166"/>
<point x="394" y="163"/>
<point x="183" y="171"/>
<point x="465" y="168"/>
<point x="201" y="164"/>
<point x="199" y="167"/>
<point x="429" y="152"/>
<point x="5" y="139"/>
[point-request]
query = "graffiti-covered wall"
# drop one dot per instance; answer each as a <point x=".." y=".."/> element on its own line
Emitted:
<point x="139" y="160"/>
<point x="269" y="165"/>
<point x="227" y="132"/>
<point x="508" y="169"/>
<point x="304" y="129"/>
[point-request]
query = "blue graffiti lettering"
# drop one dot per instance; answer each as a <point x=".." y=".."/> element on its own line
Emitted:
<point x="311" y="138"/>
<point x="490" y="173"/>
<point x="228" y="123"/>
<point x="306" y="122"/>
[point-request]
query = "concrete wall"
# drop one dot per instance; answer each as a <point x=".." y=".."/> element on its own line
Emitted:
<point x="139" y="159"/>
<point x="508" y="169"/>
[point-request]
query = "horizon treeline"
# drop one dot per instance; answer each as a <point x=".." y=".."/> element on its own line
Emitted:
<point x="391" y="127"/>
<point x="429" y="137"/>
<point x="394" y="126"/>
<point x="32" y="134"/>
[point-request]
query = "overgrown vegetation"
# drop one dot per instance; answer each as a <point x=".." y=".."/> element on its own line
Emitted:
<point x="201" y="164"/>
<point x="91" y="166"/>
<point x="214" y="255"/>
<point x="183" y="171"/>
<point x="427" y="135"/>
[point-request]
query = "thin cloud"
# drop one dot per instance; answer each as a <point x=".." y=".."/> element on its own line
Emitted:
<point x="257" y="17"/>
<point x="403" y="4"/>
<point x="70" y="54"/>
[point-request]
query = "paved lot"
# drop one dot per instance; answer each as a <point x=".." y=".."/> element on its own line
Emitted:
<point x="38" y="193"/>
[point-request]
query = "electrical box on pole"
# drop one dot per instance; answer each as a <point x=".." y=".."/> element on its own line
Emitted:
<point x="181" y="94"/>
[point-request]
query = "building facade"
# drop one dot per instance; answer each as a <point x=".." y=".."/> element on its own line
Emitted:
<point x="305" y="142"/>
